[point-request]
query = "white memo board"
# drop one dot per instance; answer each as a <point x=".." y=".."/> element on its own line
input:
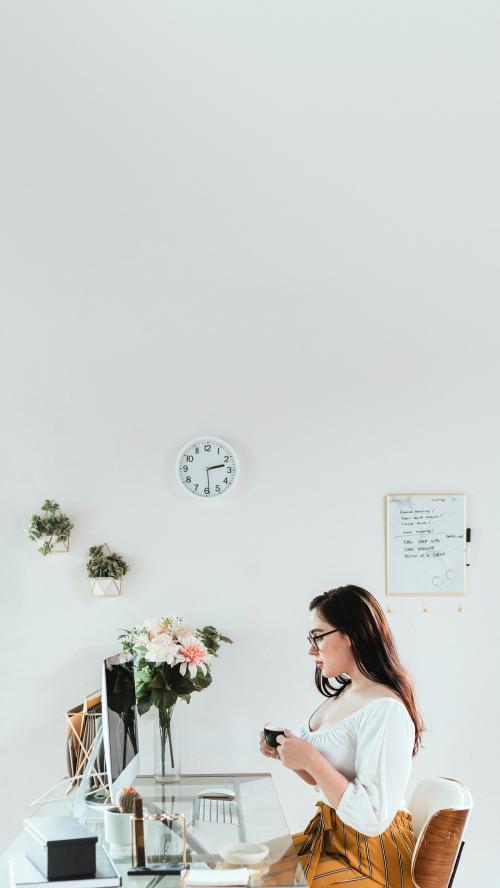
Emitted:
<point x="425" y="551"/>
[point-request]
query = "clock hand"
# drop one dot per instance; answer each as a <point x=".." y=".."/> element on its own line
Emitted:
<point x="208" y="481"/>
<point x="221" y="466"/>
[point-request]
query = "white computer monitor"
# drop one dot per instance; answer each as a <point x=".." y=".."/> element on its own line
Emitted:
<point x="119" y="722"/>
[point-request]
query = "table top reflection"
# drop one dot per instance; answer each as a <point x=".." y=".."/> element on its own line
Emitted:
<point x="259" y="820"/>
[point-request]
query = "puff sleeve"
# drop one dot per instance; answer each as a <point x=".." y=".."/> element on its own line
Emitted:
<point x="383" y="760"/>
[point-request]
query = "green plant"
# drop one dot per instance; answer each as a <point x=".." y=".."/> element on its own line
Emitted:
<point x="101" y="564"/>
<point x="50" y="528"/>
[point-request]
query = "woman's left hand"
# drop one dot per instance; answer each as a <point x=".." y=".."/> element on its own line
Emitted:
<point x="294" y="752"/>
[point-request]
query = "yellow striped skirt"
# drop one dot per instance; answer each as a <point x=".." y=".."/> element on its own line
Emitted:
<point x="332" y="853"/>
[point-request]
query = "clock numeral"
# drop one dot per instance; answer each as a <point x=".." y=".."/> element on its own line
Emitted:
<point x="226" y="481"/>
<point x="226" y="459"/>
<point x="196" y="449"/>
<point x="185" y="468"/>
<point x="229" y="470"/>
<point x="190" y="457"/>
<point x="188" y="479"/>
<point x="196" y="486"/>
<point x="207" y="491"/>
<point x="208" y="448"/>
<point x="217" y="488"/>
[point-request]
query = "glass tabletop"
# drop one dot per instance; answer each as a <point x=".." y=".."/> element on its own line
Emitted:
<point x="256" y="817"/>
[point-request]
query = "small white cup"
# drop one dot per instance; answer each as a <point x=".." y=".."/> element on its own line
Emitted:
<point x="244" y="852"/>
<point x="117" y="831"/>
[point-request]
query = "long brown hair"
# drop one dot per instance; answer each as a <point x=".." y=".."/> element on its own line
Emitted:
<point x="358" y="615"/>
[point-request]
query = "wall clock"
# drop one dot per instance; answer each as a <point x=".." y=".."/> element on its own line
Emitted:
<point x="207" y="467"/>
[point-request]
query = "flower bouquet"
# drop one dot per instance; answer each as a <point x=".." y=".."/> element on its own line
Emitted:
<point x="172" y="661"/>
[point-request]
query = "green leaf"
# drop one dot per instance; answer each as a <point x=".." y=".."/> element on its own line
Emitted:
<point x="143" y="706"/>
<point x="157" y="682"/>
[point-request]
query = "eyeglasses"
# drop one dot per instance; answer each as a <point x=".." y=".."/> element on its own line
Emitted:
<point x="313" y="639"/>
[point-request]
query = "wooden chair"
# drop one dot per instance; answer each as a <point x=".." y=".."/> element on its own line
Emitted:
<point x="440" y="808"/>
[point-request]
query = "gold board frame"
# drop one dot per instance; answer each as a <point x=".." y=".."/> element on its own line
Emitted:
<point x="387" y="550"/>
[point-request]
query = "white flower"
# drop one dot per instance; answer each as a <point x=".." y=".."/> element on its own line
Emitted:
<point x="162" y="649"/>
<point x="153" y="627"/>
<point x="180" y="629"/>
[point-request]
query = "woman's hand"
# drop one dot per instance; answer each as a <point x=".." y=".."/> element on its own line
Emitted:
<point x="268" y="751"/>
<point x="294" y="752"/>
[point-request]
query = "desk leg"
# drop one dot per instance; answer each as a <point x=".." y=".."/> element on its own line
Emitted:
<point x="241" y="820"/>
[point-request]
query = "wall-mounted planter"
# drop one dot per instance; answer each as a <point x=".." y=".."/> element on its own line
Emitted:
<point x="51" y="529"/>
<point x="105" y="587"/>
<point x="105" y="570"/>
<point x="54" y="543"/>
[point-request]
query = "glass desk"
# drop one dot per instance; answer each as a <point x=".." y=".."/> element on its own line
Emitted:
<point x="260" y="820"/>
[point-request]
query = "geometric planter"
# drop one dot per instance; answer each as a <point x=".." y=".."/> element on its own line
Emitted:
<point x="57" y="545"/>
<point x="105" y="587"/>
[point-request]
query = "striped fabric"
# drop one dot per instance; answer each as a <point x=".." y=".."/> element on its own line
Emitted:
<point x="332" y="853"/>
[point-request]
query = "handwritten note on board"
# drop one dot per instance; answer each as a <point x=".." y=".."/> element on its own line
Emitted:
<point x="426" y="544"/>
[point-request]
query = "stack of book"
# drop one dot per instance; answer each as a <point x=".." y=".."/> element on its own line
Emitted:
<point x="24" y="874"/>
<point x="60" y="851"/>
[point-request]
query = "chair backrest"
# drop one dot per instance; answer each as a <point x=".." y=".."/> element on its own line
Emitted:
<point x="440" y="808"/>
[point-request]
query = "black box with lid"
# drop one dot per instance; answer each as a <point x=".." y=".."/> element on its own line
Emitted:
<point x="60" y="847"/>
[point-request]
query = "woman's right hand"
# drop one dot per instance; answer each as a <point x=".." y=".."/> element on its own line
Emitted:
<point x="268" y="751"/>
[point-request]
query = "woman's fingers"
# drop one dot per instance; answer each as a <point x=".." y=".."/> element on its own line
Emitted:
<point x="266" y="750"/>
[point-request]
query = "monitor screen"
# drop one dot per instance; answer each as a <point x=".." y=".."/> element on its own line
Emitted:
<point x="120" y="714"/>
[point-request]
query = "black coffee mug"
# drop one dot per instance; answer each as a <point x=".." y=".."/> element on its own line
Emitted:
<point x="271" y="733"/>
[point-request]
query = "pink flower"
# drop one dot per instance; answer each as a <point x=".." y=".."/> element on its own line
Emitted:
<point x="192" y="655"/>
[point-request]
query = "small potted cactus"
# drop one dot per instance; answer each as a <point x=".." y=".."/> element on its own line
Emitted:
<point x="126" y="799"/>
<point x="51" y="530"/>
<point x="118" y="823"/>
<point x="105" y="570"/>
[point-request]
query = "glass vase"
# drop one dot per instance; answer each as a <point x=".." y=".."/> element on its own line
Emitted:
<point x="167" y="747"/>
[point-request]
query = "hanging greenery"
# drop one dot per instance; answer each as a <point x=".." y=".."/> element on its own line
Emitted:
<point x="50" y="528"/>
<point x="105" y="563"/>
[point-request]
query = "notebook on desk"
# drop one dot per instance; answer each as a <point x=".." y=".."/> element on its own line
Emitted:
<point x="24" y="875"/>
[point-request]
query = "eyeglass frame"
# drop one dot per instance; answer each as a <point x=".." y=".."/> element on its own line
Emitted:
<point x="313" y="639"/>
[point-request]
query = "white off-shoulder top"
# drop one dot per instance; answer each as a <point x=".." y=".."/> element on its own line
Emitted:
<point x="373" y="749"/>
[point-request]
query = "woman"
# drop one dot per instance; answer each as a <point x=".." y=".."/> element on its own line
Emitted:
<point x="356" y="749"/>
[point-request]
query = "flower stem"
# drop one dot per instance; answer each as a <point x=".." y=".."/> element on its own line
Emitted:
<point x="165" y="719"/>
<point x="170" y="744"/>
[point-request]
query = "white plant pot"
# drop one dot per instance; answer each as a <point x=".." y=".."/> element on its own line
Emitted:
<point x="117" y="831"/>
<point x="58" y="545"/>
<point x="105" y="587"/>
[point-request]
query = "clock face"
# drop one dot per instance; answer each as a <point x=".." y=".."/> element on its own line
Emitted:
<point x="207" y="467"/>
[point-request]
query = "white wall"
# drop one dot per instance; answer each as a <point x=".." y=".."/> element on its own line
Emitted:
<point x="273" y="222"/>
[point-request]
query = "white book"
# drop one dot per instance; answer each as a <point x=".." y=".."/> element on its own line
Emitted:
<point x="198" y="878"/>
<point x="24" y="875"/>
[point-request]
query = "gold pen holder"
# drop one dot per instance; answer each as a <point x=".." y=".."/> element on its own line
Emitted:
<point x="161" y="818"/>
